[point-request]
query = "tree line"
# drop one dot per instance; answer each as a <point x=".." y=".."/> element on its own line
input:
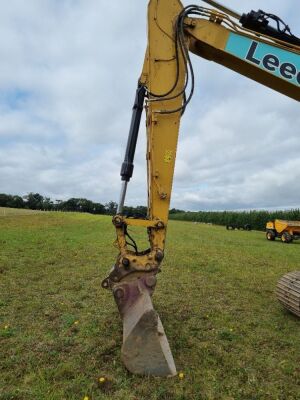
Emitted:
<point x="257" y="219"/>
<point x="35" y="201"/>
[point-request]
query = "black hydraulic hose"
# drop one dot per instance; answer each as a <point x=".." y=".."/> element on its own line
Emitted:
<point x="258" y="21"/>
<point x="127" y="166"/>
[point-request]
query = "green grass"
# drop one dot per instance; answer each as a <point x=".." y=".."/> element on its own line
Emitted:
<point x="60" y="331"/>
<point x="8" y="212"/>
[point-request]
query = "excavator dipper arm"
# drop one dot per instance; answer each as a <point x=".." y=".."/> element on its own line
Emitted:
<point x="164" y="89"/>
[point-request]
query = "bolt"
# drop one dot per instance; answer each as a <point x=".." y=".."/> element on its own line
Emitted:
<point x="117" y="221"/>
<point x="159" y="255"/>
<point x="150" y="281"/>
<point x="105" y="284"/>
<point x="160" y="225"/>
<point x="148" y="267"/>
<point x="126" y="263"/>
<point x="119" y="293"/>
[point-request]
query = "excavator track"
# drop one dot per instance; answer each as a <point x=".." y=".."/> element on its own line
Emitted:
<point x="288" y="292"/>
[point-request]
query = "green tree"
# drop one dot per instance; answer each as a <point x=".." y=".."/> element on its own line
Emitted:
<point x="34" y="201"/>
<point x="111" y="208"/>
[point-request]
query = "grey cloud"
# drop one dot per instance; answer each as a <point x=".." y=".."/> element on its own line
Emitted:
<point x="80" y="61"/>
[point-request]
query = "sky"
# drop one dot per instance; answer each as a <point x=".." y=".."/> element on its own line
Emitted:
<point x="68" y="74"/>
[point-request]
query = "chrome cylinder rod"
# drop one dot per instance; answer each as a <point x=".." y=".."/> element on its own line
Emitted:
<point x="225" y="9"/>
<point x="122" y="197"/>
<point x="127" y="166"/>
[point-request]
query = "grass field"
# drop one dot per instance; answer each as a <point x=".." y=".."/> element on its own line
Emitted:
<point x="8" y="212"/>
<point x="60" y="332"/>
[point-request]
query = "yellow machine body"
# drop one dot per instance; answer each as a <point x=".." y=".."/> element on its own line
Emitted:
<point x="286" y="230"/>
<point x="281" y="225"/>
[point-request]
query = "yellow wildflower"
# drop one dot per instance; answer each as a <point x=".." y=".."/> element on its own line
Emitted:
<point x="181" y="375"/>
<point x="101" y="379"/>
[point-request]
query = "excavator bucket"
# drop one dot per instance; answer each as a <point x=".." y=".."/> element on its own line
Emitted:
<point x="145" y="349"/>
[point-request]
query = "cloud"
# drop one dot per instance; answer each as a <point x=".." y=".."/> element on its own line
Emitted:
<point x="243" y="154"/>
<point x="68" y="74"/>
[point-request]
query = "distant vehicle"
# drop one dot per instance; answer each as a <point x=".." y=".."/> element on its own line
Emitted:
<point x="287" y="231"/>
<point x="246" y="227"/>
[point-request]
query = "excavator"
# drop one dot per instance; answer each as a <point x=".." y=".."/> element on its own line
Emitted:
<point x="258" y="45"/>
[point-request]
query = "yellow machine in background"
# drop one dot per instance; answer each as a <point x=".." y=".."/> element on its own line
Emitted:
<point x="287" y="231"/>
<point x="247" y="44"/>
